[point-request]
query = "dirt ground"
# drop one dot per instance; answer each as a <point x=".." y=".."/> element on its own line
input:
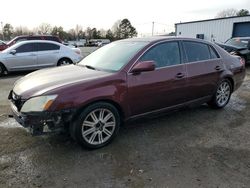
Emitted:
<point x="198" y="147"/>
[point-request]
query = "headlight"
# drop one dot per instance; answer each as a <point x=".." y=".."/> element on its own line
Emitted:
<point x="38" y="104"/>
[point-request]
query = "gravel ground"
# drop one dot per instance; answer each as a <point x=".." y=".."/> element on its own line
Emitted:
<point x="197" y="147"/>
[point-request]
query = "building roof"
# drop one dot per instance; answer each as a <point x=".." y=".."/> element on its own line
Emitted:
<point x="211" y="19"/>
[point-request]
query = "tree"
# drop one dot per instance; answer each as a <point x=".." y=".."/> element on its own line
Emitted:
<point x="88" y="33"/>
<point x="21" y="31"/>
<point x="243" y="12"/>
<point x="116" y="29"/>
<point x="72" y="34"/>
<point x="58" y="31"/>
<point x="126" y="29"/>
<point x="110" y="35"/>
<point x="227" y="13"/>
<point x="44" y="29"/>
<point x="8" y="31"/>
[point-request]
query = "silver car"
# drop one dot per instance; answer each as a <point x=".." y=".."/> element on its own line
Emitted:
<point x="36" y="54"/>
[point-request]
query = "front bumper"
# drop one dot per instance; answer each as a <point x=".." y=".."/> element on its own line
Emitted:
<point x="39" y="123"/>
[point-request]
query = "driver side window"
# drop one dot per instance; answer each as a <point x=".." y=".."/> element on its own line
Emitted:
<point x="164" y="54"/>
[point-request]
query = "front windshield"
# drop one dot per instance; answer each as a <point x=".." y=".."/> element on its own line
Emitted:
<point x="238" y="42"/>
<point x="113" y="56"/>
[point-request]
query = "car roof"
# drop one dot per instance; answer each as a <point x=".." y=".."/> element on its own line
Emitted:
<point x="155" y="39"/>
<point x="38" y="41"/>
<point x="35" y="36"/>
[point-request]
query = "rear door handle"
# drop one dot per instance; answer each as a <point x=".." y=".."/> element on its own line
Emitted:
<point x="217" y="68"/>
<point x="180" y="75"/>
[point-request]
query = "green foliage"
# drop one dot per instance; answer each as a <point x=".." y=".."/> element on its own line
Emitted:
<point x="110" y="35"/>
<point x="243" y="12"/>
<point x="126" y="30"/>
<point x="122" y="29"/>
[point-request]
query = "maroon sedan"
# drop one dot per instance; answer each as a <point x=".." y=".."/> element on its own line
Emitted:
<point x="125" y="80"/>
<point x="3" y="45"/>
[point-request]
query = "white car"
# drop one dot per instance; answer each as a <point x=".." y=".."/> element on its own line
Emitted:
<point x="36" y="54"/>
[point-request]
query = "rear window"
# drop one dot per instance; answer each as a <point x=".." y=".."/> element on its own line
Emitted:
<point x="243" y="43"/>
<point x="56" y="39"/>
<point x="196" y="51"/>
<point x="47" y="47"/>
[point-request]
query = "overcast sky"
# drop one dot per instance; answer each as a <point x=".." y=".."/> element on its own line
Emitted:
<point x="103" y="13"/>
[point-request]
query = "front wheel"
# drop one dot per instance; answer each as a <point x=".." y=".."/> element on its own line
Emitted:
<point x="97" y="125"/>
<point x="2" y="70"/>
<point x="222" y="94"/>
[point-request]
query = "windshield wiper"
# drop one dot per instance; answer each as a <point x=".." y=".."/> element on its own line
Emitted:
<point x="90" y="67"/>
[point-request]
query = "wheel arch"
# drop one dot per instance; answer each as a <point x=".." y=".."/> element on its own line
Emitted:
<point x="112" y="102"/>
<point x="231" y="81"/>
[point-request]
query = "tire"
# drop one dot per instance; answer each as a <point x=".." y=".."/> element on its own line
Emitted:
<point x="96" y="126"/>
<point x="2" y="70"/>
<point x="64" y="61"/>
<point x="222" y="94"/>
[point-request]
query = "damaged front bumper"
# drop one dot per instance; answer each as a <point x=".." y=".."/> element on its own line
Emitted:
<point x="39" y="123"/>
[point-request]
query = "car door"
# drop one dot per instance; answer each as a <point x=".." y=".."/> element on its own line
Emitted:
<point x="24" y="58"/>
<point x="161" y="88"/>
<point x="47" y="54"/>
<point x="204" y="67"/>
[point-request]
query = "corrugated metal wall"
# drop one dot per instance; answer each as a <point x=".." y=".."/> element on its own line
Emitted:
<point x="213" y="30"/>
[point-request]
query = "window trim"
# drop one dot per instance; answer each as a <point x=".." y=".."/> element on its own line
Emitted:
<point x="182" y="62"/>
<point x="216" y="53"/>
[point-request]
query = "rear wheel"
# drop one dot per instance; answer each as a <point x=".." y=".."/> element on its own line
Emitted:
<point x="64" y="61"/>
<point x="96" y="126"/>
<point x="2" y="70"/>
<point x="222" y="94"/>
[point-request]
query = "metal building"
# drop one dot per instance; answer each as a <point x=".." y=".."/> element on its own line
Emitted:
<point x="215" y="30"/>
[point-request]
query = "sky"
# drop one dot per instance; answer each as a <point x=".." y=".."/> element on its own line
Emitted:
<point x="103" y="14"/>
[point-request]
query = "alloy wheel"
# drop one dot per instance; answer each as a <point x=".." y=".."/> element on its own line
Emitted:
<point x="223" y="93"/>
<point x="98" y="126"/>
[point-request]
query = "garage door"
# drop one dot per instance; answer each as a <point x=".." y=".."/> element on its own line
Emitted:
<point x="241" y="29"/>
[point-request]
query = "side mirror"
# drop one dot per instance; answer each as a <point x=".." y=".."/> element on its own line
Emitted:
<point x="143" y="66"/>
<point x="13" y="52"/>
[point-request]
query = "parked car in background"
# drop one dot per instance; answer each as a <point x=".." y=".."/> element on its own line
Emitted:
<point x="2" y="45"/>
<point x="97" y="42"/>
<point x="31" y="37"/>
<point x="124" y="80"/>
<point x="238" y="46"/>
<point x="37" y="54"/>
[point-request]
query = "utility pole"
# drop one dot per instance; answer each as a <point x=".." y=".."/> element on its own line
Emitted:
<point x="153" y="25"/>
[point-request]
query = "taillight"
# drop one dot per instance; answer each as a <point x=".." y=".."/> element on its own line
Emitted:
<point x="242" y="61"/>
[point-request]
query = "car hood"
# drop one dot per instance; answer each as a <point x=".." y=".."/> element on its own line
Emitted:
<point x="45" y="80"/>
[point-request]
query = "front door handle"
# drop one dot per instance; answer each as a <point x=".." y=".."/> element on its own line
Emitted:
<point x="217" y="68"/>
<point x="180" y="75"/>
